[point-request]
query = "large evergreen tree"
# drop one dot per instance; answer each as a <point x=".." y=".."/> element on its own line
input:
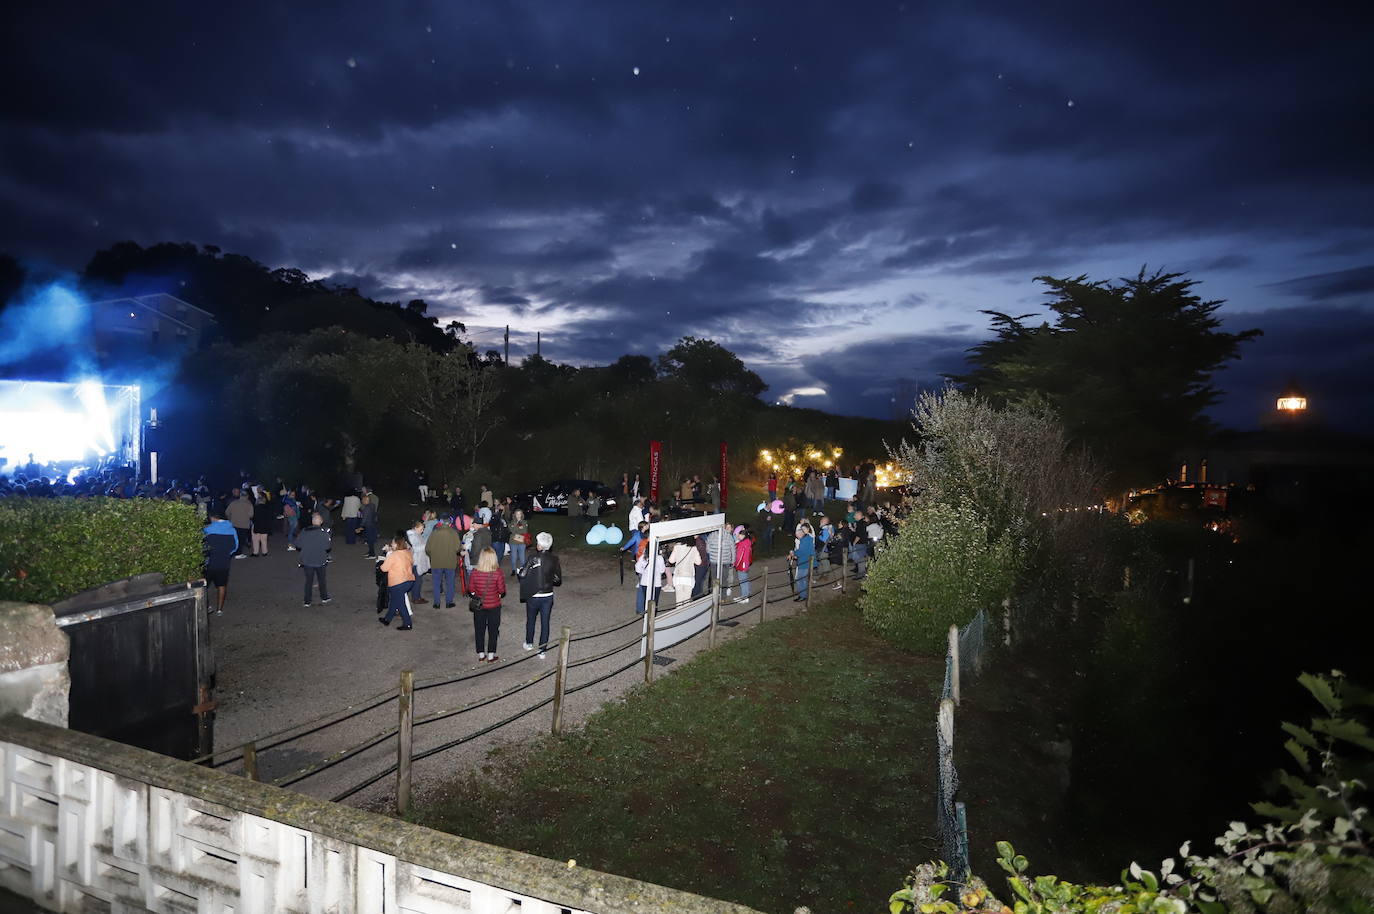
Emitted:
<point x="1127" y="364"/>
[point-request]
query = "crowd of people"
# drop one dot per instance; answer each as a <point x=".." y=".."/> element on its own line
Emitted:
<point x="461" y="552"/>
<point x="468" y="554"/>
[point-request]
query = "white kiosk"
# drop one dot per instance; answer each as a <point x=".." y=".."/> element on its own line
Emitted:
<point x="664" y="629"/>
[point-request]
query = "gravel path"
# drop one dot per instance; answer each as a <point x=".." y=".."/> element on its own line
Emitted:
<point x="282" y="665"/>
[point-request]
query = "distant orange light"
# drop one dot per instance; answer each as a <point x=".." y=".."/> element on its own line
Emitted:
<point x="1292" y="404"/>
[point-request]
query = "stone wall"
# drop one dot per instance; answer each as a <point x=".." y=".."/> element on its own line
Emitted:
<point x="91" y="825"/>
<point x="33" y="663"/>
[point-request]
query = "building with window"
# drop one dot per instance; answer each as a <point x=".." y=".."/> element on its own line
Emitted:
<point x="148" y="325"/>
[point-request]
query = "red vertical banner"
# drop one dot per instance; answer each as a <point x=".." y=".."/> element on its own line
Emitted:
<point x="655" y="463"/>
<point x="724" y="477"/>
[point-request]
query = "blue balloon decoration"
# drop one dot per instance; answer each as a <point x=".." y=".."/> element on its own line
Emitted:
<point x="597" y="535"/>
<point x="614" y="535"/>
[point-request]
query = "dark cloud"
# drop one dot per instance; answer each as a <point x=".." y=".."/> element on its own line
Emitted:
<point x="874" y="196"/>
<point x="1324" y="286"/>
<point x="629" y="173"/>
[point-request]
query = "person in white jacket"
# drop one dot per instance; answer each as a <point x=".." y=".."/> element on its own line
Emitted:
<point x="418" y="536"/>
<point x="684" y="558"/>
<point x="651" y="575"/>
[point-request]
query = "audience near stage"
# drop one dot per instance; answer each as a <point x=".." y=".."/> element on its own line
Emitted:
<point x="463" y="552"/>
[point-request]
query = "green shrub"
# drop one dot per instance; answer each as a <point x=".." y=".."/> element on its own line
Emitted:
<point x="51" y="548"/>
<point x="938" y="571"/>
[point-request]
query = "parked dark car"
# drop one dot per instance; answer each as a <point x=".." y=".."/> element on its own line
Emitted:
<point x="552" y="498"/>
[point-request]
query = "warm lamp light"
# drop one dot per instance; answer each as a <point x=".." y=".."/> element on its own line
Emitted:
<point x="1292" y="404"/>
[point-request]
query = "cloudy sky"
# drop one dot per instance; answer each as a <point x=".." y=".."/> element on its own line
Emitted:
<point x="833" y="190"/>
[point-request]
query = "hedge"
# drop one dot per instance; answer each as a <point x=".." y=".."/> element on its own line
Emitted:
<point x="52" y="548"/>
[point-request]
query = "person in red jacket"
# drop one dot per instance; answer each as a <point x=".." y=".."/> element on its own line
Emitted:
<point x="488" y="584"/>
<point x="744" y="558"/>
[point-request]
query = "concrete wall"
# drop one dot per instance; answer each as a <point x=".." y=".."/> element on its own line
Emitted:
<point x="33" y="663"/>
<point x="91" y="825"/>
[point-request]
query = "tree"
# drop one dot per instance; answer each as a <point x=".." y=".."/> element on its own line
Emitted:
<point x="451" y="394"/>
<point x="708" y="368"/>
<point x="1012" y="465"/>
<point x="1128" y="365"/>
<point x="631" y="371"/>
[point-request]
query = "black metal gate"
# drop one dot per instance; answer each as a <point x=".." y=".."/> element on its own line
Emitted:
<point x="143" y="671"/>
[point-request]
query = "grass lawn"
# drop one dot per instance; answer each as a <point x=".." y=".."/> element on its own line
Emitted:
<point x="793" y="766"/>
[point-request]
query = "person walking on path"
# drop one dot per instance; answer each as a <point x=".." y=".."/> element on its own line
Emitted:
<point x="519" y="539"/>
<point x="416" y="536"/>
<point x="772" y="487"/>
<point x="442" y="549"/>
<point x="291" y="513"/>
<point x="240" y="514"/>
<point x="314" y="546"/>
<point x="349" y="517"/>
<point x="744" y="558"/>
<point x="221" y="544"/>
<point x="399" y="579"/>
<point x="264" y="519"/>
<point x="489" y="585"/>
<point x="801" y="556"/>
<point x="367" y="519"/>
<point x="541" y="573"/>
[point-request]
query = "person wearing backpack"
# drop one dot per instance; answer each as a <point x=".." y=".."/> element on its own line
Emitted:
<point x="541" y="574"/>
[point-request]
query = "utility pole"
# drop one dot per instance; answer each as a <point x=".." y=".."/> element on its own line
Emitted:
<point x="536" y="342"/>
<point x="508" y="344"/>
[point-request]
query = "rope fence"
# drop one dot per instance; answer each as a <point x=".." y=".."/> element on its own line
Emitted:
<point x="774" y="585"/>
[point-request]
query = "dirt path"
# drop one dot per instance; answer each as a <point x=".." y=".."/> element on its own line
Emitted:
<point x="281" y="664"/>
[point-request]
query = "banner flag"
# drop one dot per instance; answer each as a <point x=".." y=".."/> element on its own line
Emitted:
<point x="655" y="462"/>
<point x="724" y="477"/>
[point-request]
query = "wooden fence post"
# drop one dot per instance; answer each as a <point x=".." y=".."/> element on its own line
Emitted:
<point x="945" y="721"/>
<point x="406" y="710"/>
<point x="560" y="679"/>
<point x="954" y="663"/>
<point x="649" y="638"/>
<point x="250" y="761"/>
<point x="763" y="601"/>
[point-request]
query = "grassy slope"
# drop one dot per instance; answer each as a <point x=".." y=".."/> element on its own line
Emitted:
<point x="790" y="767"/>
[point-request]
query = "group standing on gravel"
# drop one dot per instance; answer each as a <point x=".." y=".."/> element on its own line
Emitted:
<point x="463" y="553"/>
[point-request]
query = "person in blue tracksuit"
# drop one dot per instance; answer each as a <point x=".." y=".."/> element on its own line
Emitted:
<point x="221" y="543"/>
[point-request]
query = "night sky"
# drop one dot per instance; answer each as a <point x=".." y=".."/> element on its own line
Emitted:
<point x="832" y="190"/>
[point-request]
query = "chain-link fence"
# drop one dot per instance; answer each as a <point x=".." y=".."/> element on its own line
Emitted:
<point x="963" y="658"/>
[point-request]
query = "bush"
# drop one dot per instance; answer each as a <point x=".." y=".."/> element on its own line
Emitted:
<point x="1314" y="854"/>
<point x="52" y="548"/>
<point x="938" y="571"/>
